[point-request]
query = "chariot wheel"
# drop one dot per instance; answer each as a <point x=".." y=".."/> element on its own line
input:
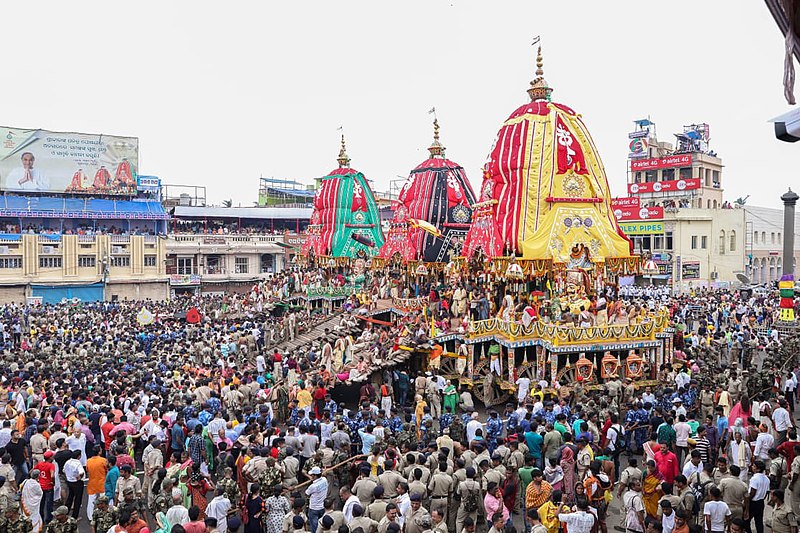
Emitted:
<point x="448" y="368"/>
<point x="487" y="385"/>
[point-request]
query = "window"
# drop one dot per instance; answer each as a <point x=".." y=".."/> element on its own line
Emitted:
<point x="186" y="265"/>
<point x="658" y="242"/>
<point x="86" y="261"/>
<point x="49" y="262"/>
<point x="715" y="178"/>
<point x="732" y="247"/>
<point x="722" y="242"/>
<point x="772" y="237"/>
<point x="11" y="262"/>
<point x="694" y="242"/>
<point x="121" y="261"/>
<point x="780" y="241"/>
<point x="685" y="173"/>
<point x="704" y="242"/>
<point x="763" y="237"/>
<point x="755" y="237"/>
<point x="668" y="174"/>
<point x="668" y="240"/>
<point x="651" y="176"/>
<point x="708" y="204"/>
<point x="149" y="260"/>
<point x="242" y="265"/>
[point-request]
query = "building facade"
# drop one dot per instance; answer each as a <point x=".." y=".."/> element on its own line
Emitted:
<point x="675" y="210"/>
<point x="764" y="246"/>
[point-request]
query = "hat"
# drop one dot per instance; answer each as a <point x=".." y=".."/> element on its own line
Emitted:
<point x="677" y="400"/>
<point x="316" y="471"/>
<point x="102" y="498"/>
<point x="128" y="490"/>
<point x="48" y="454"/>
<point x="416" y="497"/>
<point x="61" y="510"/>
<point x="234" y="523"/>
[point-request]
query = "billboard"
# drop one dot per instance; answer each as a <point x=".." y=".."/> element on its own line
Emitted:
<point x="690" y="270"/>
<point x="148" y="183"/>
<point x="671" y="186"/>
<point x="680" y="160"/>
<point x="74" y="163"/>
<point x="637" y="148"/>
<point x="639" y="213"/>
<point x="642" y="228"/>
<point x="629" y="201"/>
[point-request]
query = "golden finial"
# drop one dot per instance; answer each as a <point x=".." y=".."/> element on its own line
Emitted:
<point x="436" y="149"/>
<point x="539" y="89"/>
<point x="343" y="159"/>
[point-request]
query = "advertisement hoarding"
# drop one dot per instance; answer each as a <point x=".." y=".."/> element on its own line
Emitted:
<point x="642" y="228"/>
<point x="690" y="270"/>
<point x="629" y="201"/>
<point x="639" y="213"/>
<point x="184" y="279"/>
<point x="680" y="160"/>
<point x="672" y="186"/>
<point x="74" y="163"/>
<point x="637" y="148"/>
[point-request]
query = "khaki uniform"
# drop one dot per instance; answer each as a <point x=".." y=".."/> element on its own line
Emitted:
<point x="376" y="510"/>
<point x="389" y="480"/>
<point x="441" y="486"/>
<point x="362" y="489"/>
<point x="287" y="522"/>
<point x="366" y="524"/>
<point x="463" y="488"/>
<point x="733" y="493"/>
<point x="383" y="525"/>
<point x="413" y="523"/>
<point x="783" y="519"/>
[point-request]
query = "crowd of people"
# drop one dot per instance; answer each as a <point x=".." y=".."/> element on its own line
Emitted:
<point x="182" y="426"/>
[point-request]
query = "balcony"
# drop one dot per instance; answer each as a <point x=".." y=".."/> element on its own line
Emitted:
<point x="224" y="243"/>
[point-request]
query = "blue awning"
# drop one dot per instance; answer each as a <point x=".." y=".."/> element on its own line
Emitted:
<point x="49" y="207"/>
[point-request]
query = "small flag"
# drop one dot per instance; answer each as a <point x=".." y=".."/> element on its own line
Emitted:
<point x="340" y="128"/>
<point x="432" y="111"/>
<point x="536" y="40"/>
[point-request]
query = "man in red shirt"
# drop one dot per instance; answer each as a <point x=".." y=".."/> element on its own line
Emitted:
<point x="786" y="448"/>
<point x="47" y="480"/>
<point x="667" y="464"/>
<point x="106" y="431"/>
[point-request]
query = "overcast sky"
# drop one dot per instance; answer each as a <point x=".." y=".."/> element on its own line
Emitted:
<point x="219" y="93"/>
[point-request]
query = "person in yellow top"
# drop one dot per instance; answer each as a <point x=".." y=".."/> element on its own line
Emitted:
<point x="538" y="395"/>
<point x="548" y="513"/>
<point x="304" y="399"/>
<point x="419" y="412"/>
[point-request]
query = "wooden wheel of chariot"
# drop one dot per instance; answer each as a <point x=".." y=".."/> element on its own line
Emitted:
<point x="489" y="388"/>
<point x="448" y="367"/>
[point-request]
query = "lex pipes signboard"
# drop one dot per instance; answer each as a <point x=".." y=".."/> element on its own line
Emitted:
<point x="672" y="186"/>
<point x="642" y="228"/>
<point x="624" y="214"/>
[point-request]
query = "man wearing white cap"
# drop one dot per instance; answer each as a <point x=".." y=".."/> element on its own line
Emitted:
<point x="316" y="493"/>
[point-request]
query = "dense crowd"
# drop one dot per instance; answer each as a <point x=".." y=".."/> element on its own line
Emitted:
<point x="202" y="420"/>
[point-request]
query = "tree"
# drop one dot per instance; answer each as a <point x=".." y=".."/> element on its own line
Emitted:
<point x="227" y="203"/>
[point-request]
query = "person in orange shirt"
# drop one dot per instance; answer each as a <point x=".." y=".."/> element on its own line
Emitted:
<point x="96" y="468"/>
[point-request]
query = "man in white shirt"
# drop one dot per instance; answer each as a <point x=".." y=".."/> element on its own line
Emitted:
<point x="177" y="514"/>
<point x="473" y="426"/>
<point x="523" y="386"/>
<point x="581" y="521"/>
<point x="755" y="499"/>
<point x="261" y="364"/>
<point x="716" y="512"/>
<point x="218" y="508"/>
<point x="782" y="421"/>
<point x="349" y="500"/>
<point x="693" y="466"/>
<point x="764" y="442"/>
<point x="316" y="497"/>
<point x="74" y="472"/>
<point x="682" y="431"/>
<point x="5" y="433"/>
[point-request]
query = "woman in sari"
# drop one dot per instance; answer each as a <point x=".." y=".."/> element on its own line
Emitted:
<point x="419" y="412"/>
<point x="30" y="498"/>
<point x="199" y="485"/>
<point x="548" y="513"/>
<point x="450" y="398"/>
<point x="651" y="447"/>
<point x="651" y="491"/>
<point x="568" y="466"/>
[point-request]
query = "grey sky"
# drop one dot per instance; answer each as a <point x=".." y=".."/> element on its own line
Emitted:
<point x="220" y="92"/>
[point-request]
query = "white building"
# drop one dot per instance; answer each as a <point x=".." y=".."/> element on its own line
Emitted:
<point x="764" y="246"/>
